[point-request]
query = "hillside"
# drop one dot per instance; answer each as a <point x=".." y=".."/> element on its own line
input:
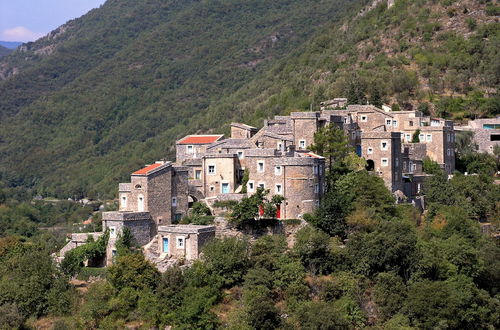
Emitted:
<point x="107" y="92"/>
<point x="4" y="51"/>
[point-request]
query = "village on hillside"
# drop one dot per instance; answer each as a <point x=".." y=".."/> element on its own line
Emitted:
<point x="277" y="158"/>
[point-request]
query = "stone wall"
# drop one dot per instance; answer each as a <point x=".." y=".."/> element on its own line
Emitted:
<point x="159" y="195"/>
<point x="225" y="173"/>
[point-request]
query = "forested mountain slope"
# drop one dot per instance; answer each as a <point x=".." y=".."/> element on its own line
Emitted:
<point x="107" y="92"/>
<point x="4" y="51"/>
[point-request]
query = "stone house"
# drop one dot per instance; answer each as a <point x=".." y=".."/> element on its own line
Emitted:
<point x="486" y="133"/>
<point x="183" y="241"/>
<point x="191" y="146"/>
<point x="160" y="189"/>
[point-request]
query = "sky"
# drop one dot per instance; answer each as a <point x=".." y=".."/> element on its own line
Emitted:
<point x="28" y="20"/>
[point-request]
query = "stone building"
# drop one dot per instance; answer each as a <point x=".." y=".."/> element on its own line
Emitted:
<point x="160" y="189"/>
<point x="486" y="133"/>
<point x="183" y="241"/>
<point x="192" y="146"/>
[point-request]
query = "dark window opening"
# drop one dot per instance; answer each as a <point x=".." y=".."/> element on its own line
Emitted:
<point x="370" y="165"/>
<point x="495" y="137"/>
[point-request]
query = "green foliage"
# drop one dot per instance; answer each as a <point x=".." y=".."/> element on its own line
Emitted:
<point x="247" y="211"/>
<point x="244" y="181"/>
<point x="92" y="250"/>
<point x="475" y="195"/>
<point x="431" y="167"/>
<point x="416" y="136"/>
<point x="312" y="247"/>
<point x="200" y="215"/>
<point x="392" y="247"/>
<point x="125" y="243"/>
<point x="331" y="143"/>
<point x="390" y="294"/>
<point x="133" y="271"/>
<point x="320" y="315"/>
<point x="31" y="284"/>
<point x="227" y="258"/>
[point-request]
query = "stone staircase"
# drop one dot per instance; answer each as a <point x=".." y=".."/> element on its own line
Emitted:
<point x="152" y="253"/>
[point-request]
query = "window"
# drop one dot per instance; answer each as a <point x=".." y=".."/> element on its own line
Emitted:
<point x="260" y="166"/>
<point x="413" y="167"/>
<point x="180" y="242"/>
<point x="197" y="174"/>
<point x="364" y="118"/>
<point x="124" y="201"/>
<point x="448" y="138"/>
<point x="388" y="122"/>
<point x="251" y="186"/>
<point x="315" y="169"/>
<point x="429" y="137"/>
<point x="316" y="203"/>
<point x="494" y="137"/>
<point x="421" y="137"/>
<point x="320" y="170"/>
<point x="353" y="135"/>
<point x="278" y="189"/>
<point x="240" y="155"/>
<point x="212" y="188"/>
<point x="410" y="166"/>
<point x="316" y="188"/>
<point x="385" y="162"/>
<point x="277" y="170"/>
<point x="190" y="149"/>
<point x="395" y="123"/>
<point x="177" y="217"/>
<point x="112" y="232"/>
<point x="345" y="120"/>
<point x="302" y="144"/>
<point x="279" y="146"/>
<point x="369" y="151"/>
<point x="397" y="162"/>
<point x="408" y="137"/>
<point x="384" y="145"/>
<point x="262" y="185"/>
<point x="140" y="203"/>
<point x="211" y="169"/>
<point x="410" y="123"/>
<point x="174" y="201"/>
<point x="138" y="186"/>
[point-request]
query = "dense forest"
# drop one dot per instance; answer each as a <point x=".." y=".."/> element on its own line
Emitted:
<point x="105" y="93"/>
<point x="361" y="261"/>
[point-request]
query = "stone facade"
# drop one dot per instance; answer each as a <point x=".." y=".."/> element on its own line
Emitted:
<point x="183" y="241"/>
<point x="486" y="133"/>
<point x="159" y="189"/>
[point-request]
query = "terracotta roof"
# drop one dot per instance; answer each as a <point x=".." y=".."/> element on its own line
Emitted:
<point x="200" y="139"/>
<point x="147" y="169"/>
<point x="313" y="155"/>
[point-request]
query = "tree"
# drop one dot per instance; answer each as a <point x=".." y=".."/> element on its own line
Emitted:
<point x="134" y="271"/>
<point x="312" y="247"/>
<point x="227" y="258"/>
<point x="390" y="248"/>
<point x="390" y="294"/>
<point x="331" y="143"/>
<point x="356" y="93"/>
<point x="376" y="96"/>
<point x="431" y="167"/>
<point x="416" y="136"/>
<point x="320" y="315"/>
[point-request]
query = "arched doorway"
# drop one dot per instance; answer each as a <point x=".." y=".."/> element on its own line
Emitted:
<point x="370" y="165"/>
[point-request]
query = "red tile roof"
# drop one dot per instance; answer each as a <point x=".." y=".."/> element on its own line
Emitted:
<point x="200" y="139"/>
<point x="313" y="155"/>
<point x="147" y="169"/>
